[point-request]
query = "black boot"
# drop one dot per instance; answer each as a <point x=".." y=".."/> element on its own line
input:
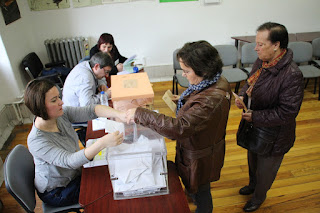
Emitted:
<point x="251" y="207"/>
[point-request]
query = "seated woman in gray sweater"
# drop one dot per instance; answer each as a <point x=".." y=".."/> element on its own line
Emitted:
<point x="54" y="143"/>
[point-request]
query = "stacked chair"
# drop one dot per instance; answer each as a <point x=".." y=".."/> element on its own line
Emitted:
<point x="302" y="55"/>
<point x="248" y="56"/>
<point x="316" y="51"/>
<point x="229" y="57"/>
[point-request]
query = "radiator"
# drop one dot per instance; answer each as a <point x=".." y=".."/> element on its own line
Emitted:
<point x="71" y="50"/>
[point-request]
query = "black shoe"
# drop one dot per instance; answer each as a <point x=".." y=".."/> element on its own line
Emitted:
<point x="251" y="207"/>
<point x="246" y="190"/>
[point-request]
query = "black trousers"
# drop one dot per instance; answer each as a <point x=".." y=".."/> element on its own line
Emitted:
<point x="262" y="172"/>
<point x="203" y="199"/>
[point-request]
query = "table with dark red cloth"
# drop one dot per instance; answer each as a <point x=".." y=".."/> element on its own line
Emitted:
<point x="96" y="194"/>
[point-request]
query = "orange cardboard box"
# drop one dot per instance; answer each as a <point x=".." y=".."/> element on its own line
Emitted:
<point x="131" y="91"/>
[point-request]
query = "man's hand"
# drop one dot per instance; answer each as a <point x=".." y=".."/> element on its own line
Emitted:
<point x="102" y="88"/>
<point x="109" y="92"/>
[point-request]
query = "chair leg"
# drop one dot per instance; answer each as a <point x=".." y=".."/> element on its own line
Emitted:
<point x="315" y="86"/>
<point x="173" y="85"/>
<point x="236" y="89"/>
<point x="177" y="92"/>
<point x="319" y="92"/>
<point x="305" y="86"/>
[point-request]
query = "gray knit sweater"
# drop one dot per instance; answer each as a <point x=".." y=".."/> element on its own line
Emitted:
<point x="57" y="155"/>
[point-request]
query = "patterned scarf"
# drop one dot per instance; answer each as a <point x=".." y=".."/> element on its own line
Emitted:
<point x="203" y="84"/>
<point x="253" y="79"/>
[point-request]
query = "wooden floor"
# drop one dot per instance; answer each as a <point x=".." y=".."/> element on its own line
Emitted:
<point x="296" y="188"/>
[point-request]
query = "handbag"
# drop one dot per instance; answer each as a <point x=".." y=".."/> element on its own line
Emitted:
<point x="259" y="140"/>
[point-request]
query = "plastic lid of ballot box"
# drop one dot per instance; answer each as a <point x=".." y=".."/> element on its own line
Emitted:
<point x="131" y="91"/>
<point x="138" y="166"/>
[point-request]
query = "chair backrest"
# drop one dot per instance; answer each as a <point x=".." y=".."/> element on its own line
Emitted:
<point x="33" y="63"/>
<point x="19" y="177"/>
<point x="302" y="51"/>
<point x="228" y="54"/>
<point x="176" y="64"/>
<point x="248" y="54"/>
<point x="316" y="47"/>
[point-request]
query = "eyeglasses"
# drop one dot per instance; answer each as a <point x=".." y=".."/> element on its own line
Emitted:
<point x="106" y="71"/>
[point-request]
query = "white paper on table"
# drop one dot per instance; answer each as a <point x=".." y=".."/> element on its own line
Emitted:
<point x="125" y="72"/>
<point x="113" y="126"/>
<point x="129" y="60"/>
<point x="98" y="123"/>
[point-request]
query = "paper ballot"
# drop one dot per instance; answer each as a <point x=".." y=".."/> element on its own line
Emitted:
<point x="113" y="126"/>
<point x="167" y="97"/>
<point x="239" y="99"/>
<point x="129" y="61"/>
<point x="100" y="159"/>
<point x="98" y="124"/>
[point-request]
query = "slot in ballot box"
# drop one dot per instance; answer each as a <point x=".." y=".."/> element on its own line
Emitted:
<point x="131" y="91"/>
<point x="139" y="168"/>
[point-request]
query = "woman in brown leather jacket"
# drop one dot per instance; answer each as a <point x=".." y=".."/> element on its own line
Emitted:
<point x="200" y="123"/>
<point x="273" y="93"/>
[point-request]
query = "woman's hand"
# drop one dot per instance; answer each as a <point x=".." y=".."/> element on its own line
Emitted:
<point x="120" y="67"/>
<point x="238" y="102"/>
<point x="175" y="98"/>
<point x="111" y="139"/>
<point x="130" y="115"/>
<point x="247" y="115"/>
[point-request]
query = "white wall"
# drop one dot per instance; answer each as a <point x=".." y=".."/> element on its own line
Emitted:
<point x="16" y="41"/>
<point x="150" y="29"/>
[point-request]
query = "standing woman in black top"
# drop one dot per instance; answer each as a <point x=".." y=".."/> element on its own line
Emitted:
<point x="106" y="44"/>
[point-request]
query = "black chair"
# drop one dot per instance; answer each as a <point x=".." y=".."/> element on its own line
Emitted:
<point x="19" y="173"/>
<point x="56" y="71"/>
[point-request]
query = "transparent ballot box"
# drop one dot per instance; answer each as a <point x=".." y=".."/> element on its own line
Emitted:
<point x="138" y="166"/>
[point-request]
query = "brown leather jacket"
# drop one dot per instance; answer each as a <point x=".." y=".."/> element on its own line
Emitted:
<point x="200" y="129"/>
<point x="276" y="100"/>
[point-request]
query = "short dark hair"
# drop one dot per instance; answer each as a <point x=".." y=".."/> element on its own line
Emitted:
<point x="202" y="57"/>
<point x="105" y="38"/>
<point x="104" y="59"/>
<point x="277" y="32"/>
<point x="35" y="95"/>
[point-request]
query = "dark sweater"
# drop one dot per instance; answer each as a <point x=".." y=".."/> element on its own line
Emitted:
<point x="114" y="54"/>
